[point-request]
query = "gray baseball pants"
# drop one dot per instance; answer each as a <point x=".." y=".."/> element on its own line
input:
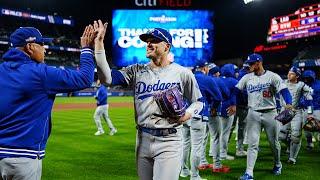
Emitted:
<point x="197" y="135"/>
<point x="255" y="121"/>
<point x="226" y="123"/>
<point x="20" y="169"/>
<point x="186" y="148"/>
<point x="159" y="157"/>
<point x="215" y="131"/>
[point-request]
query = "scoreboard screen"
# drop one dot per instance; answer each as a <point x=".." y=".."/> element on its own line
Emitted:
<point x="304" y="22"/>
<point x="191" y="30"/>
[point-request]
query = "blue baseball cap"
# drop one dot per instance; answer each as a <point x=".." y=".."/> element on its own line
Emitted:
<point x="296" y="70"/>
<point x="253" y="58"/>
<point x="310" y="74"/>
<point x="24" y="35"/>
<point x="213" y="68"/>
<point x="158" y="33"/>
<point x="202" y="64"/>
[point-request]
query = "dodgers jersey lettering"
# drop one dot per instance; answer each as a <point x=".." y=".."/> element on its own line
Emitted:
<point x="261" y="89"/>
<point x="147" y="81"/>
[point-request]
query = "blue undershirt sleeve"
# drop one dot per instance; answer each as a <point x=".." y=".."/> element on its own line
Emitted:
<point x="286" y="95"/>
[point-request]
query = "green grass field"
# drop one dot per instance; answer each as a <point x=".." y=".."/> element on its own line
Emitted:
<point x="73" y="152"/>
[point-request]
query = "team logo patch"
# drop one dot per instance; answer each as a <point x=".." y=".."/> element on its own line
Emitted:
<point x="258" y="87"/>
<point x="143" y="90"/>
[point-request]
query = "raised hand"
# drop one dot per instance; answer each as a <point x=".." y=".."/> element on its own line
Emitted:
<point x="100" y="29"/>
<point x="88" y="36"/>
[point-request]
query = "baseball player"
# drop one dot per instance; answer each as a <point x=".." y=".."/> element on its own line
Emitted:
<point x="261" y="86"/>
<point x="159" y="142"/>
<point x="309" y="77"/>
<point x="215" y="126"/>
<point x="214" y="74"/>
<point x="241" y="114"/>
<point x="212" y="95"/>
<point x="226" y="115"/>
<point x="102" y="110"/>
<point x="186" y="138"/>
<point x="297" y="89"/>
<point x="29" y="88"/>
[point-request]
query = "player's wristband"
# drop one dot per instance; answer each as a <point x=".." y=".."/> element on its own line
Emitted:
<point x="104" y="69"/>
<point x="195" y="108"/>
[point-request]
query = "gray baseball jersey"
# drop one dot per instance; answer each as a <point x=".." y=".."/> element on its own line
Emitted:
<point x="261" y="96"/>
<point x="261" y="89"/>
<point x="297" y="90"/>
<point x="146" y="81"/>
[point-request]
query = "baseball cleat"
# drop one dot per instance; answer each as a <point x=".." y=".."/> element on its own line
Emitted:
<point x="205" y="166"/>
<point x="112" y="132"/>
<point x="228" y="157"/>
<point x="197" y="178"/>
<point x="185" y="173"/>
<point x="241" y="153"/>
<point x="246" y="176"/>
<point x="222" y="169"/>
<point x="310" y="146"/>
<point x="98" y="133"/>
<point x="291" y="161"/>
<point x="277" y="170"/>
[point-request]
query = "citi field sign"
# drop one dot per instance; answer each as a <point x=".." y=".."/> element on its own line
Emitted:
<point x="163" y="3"/>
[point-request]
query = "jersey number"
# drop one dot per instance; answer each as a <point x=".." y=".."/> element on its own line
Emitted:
<point x="266" y="94"/>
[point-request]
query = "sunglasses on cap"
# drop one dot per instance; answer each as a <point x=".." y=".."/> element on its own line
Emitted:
<point x="154" y="40"/>
<point x="158" y="33"/>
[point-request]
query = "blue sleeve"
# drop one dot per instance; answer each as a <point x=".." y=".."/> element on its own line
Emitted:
<point x="214" y="92"/>
<point x="308" y="102"/>
<point x="58" y="80"/>
<point x="117" y="78"/>
<point x="286" y="95"/>
<point x="103" y="94"/>
<point x="225" y="92"/>
<point x="233" y="94"/>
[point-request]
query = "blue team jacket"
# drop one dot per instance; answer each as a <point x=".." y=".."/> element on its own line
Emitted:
<point x="228" y="72"/>
<point x="27" y="91"/>
<point x="315" y="85"/>
<point x="102" y="96"/>
<point x="242" y="97"/>
<point x="222" y="87"/>
<point x="211" y="95"/>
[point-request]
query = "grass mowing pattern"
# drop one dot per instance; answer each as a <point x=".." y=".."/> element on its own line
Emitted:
<point x="73" y="152"/>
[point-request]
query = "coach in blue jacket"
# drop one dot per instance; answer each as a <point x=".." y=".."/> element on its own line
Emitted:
<point x="211" y="97"/>
<point x="227" y="117"/>
<point x="28" y="88"/>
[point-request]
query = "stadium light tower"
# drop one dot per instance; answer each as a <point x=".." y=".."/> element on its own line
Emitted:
<point x="248" y="1"/>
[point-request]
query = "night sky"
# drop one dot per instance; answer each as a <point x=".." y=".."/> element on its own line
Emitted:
<point x="238" y="27"/>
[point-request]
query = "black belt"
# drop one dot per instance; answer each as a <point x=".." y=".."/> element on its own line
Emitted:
<point x="158" y="132"/>
<point x="264" y="110"/>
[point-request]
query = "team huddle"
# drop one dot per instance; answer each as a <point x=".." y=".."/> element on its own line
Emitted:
<point x="215" y="100"/>
<point x="177" y="111"/>
<point x="255" y="98"/>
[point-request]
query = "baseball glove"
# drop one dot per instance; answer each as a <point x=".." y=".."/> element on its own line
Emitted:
<point x="285" y="116"/>
<point x="312" y="125"/>
<point x="171" y="104"/>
